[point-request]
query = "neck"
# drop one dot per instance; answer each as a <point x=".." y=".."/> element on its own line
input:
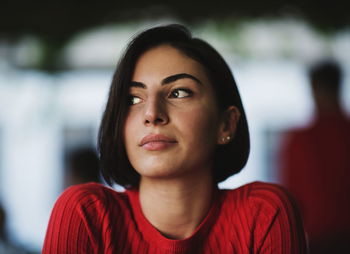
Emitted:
<point x="177" y="206"/>
<point x="328" y="109"/>
<point x="326" y="103"/>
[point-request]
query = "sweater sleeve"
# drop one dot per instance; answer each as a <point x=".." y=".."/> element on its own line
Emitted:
<point x="277" y="224"/>
<point x="75" y="222"/>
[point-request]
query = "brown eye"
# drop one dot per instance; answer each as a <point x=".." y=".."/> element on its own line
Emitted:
<point x="180" y="93"/>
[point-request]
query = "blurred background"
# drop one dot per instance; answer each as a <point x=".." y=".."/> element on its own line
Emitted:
<point x="57" y="61"/>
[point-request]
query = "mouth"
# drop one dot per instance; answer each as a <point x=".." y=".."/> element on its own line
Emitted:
<point x="156" y="142"/>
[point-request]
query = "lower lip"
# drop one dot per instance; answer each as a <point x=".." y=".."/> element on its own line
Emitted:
<point x="157" y="145"/>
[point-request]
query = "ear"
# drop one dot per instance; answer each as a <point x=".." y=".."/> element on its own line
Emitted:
<point x="228" y="125"/>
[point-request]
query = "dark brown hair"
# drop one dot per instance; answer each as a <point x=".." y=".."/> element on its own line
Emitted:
<point x="228" y="159"/>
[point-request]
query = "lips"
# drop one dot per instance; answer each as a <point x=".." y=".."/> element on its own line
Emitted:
<point x="156" y="142"/>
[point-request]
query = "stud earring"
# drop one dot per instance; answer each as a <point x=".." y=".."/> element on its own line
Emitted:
<point x="225" y="139"/>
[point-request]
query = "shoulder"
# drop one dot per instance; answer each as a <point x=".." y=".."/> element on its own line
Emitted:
<point x="263" y="194"/>
<point x="257" y="197"/>
<point x="259" y="190"/>
<point x="271" y="217"/>
<point x="88" y="191"/>
<point x="268" y="194"/>
<point x="92" y="196"/>
<point x="83" y="217"/>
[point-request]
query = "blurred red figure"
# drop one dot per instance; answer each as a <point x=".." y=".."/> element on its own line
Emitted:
<point x="315" y="165"/>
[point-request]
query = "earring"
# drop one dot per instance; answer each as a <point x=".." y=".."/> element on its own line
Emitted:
<point x="226" y="139"/>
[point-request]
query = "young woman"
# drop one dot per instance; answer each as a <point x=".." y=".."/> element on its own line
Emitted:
<point x="173" y="128"/>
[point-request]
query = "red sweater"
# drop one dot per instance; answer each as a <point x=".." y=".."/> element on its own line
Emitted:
<point x="255" y="218"/>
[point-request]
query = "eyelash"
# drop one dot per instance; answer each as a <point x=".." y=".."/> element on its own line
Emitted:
<point x="188" y="92"/>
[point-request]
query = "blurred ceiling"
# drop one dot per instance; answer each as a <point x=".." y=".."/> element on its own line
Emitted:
<point x="60" y="20"/>
<point x="57" y="22"/>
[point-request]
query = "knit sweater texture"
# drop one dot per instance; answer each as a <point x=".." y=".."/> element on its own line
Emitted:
<point x="255" y="218"/>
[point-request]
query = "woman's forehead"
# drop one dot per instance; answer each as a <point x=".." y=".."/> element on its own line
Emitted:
<point x="163" y="61"/>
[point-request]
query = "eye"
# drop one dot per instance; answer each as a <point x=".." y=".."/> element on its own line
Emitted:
<point x="180" y="93"/>
<point x="134" y="100"/>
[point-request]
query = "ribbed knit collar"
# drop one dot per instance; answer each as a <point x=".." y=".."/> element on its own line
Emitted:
<point x="154" y="237"/>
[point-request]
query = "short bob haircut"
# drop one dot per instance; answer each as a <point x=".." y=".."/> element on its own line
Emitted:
<point x="229" y="159"/>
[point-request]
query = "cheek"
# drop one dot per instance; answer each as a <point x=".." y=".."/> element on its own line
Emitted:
<point x="200" y="123"/>
<point x="199" y="132"/>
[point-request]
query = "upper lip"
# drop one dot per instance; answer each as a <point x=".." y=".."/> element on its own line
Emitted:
<point x="156" y="138"/>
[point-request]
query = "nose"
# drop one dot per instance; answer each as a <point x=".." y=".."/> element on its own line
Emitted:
<point x="155" y="113"/>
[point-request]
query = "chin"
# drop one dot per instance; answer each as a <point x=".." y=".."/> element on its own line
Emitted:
<point x="155" y="173"/>
<point x="161" y="172"/>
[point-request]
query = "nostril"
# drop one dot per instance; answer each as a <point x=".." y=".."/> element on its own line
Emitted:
<point x="155" y="120"/>
<point x="155" y="113"/>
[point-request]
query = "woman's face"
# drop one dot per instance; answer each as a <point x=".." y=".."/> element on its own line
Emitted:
<point x="173" y="123"/>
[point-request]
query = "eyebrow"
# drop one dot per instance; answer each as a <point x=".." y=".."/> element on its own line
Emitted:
<point x="168" y="80"/>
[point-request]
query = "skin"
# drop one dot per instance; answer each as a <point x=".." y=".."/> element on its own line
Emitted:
<point x="172" y="96"/>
